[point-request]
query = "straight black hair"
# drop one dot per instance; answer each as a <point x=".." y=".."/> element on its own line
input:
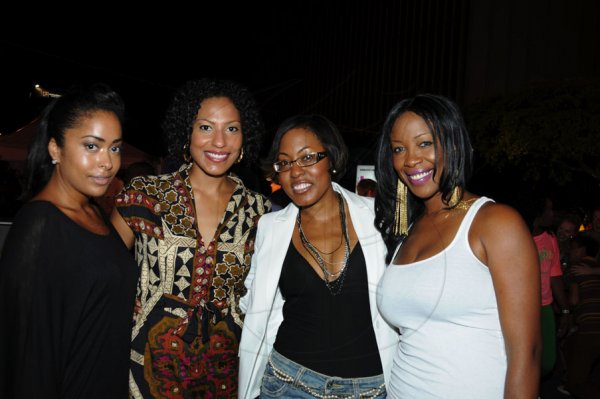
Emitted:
<point x="61" y="114"/>
<point x="447" y="126"/>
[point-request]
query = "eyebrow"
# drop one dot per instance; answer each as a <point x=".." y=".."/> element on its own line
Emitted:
<point x="416" y="137"/>
<point x="297" y="152"/>
<point x="214" y="123"/>
<point x="91" y="136"/>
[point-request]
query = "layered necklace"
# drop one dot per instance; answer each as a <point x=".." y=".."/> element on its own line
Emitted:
<point x="333" y="281"/>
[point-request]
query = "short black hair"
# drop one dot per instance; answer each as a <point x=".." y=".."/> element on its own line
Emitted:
<point x="327" y="133"/>
<point x="447" y="126"/>
<point x="181" y="113"/>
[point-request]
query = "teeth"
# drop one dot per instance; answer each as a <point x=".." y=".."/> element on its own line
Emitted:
<point x="419" y="176"/>
<point x="301" y="186"/>
<point x="218" y="156"/>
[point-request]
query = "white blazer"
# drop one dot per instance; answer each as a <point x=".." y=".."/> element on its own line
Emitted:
<point x="263" y="303"/>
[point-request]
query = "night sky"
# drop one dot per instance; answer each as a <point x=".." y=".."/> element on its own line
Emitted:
<point x="349" y="60"/>
<point x="146" y="58"/>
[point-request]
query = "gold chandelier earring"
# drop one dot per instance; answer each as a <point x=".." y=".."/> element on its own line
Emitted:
<point x="401" y="213"/>
<point x="455" y="198"/>
<point x="241" y="156"/>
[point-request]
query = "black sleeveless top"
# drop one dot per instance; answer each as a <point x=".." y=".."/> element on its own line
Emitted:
<point x="329" y="334"/>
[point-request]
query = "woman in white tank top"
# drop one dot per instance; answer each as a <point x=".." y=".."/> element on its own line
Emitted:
<point x="463" y="281"/>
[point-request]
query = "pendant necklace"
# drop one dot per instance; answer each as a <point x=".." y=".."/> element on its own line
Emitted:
<point x="334" y="286"/>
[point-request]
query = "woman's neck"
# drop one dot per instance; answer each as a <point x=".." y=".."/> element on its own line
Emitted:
<point x="323" y="210"/>
<point x="202" y="182"/>
<point x="434" y="204"/>
<point x="63" y="195"/>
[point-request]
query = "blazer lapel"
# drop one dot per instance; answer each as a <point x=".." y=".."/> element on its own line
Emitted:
<point x="370" y="241"/>
<point x="275" y="251"/>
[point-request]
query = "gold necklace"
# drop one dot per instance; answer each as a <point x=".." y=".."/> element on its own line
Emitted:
<point x="463" y="205"/>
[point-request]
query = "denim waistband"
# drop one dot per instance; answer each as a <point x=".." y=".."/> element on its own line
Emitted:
<point x="324" y="386"/>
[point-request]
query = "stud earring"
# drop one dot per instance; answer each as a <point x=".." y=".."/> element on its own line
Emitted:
<point x="54" y="162"/>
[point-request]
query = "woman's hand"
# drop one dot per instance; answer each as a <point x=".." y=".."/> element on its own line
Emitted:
<point x="137" y="309"/>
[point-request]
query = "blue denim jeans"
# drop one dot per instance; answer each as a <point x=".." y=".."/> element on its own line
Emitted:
<point x="284" y="378"/>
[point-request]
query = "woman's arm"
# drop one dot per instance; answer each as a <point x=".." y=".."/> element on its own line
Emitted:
<point x="122" y="228"/>
<point x="507" y="248"/>
<point x="581" y="269"/>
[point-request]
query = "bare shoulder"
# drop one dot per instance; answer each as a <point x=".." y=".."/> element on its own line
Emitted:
<point x="495" y="219"/>
<point x="498" y="230"/>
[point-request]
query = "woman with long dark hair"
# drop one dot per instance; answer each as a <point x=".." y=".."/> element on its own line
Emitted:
<point x="67" y="282"/>
<point x="463" y="281"/>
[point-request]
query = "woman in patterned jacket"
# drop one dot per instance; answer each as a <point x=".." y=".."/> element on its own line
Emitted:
<point x="193" y="232"/>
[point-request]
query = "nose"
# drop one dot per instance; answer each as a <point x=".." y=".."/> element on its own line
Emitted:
<point x="219" y="138"/>
<point x="106" y="161"/>
<point x="413" y="158"/>
<point x="296" y="170"/>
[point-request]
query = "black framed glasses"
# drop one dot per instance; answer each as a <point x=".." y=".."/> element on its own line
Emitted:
<point x="304" y="161"/>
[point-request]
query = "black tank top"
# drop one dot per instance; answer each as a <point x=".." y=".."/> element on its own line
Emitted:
<point x="332" y="335"/>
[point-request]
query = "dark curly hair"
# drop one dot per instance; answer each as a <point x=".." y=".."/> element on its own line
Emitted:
<point x="180" y="115"/>
<point x="446" y="124"/>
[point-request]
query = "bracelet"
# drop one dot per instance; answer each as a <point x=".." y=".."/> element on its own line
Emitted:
<point x="565" y="311"/>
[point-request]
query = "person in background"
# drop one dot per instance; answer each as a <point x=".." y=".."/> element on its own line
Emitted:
<point x="463" y="281"/>
<point x="552" y="283"/>
<point x="67" y="282"/>
<point x="312" y="328"/>
<point x="366" y="188"/>
<point x="582" y="348"/>
<point x="566" y="229"/>
<point x="193" y="233"/>
<point x="583" y="269"/>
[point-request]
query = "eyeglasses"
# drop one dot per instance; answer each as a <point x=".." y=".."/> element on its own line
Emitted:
<point x="304" y="161"/>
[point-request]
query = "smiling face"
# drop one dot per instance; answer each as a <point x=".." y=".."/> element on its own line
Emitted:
<point x="566" y="230"/>
<point x="414" y="155"/>
<point x="217" y="137"/>
<point x="305" y="186"/>
<point x="90" y="156"/>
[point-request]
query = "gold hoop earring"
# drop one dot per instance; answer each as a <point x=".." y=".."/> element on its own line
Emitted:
<point x="187" y="157"/>
<point x="241" y="156"/>
<point x="401" y="213"/>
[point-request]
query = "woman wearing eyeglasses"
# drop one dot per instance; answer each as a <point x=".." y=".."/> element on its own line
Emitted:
<point x="312" y="328"/>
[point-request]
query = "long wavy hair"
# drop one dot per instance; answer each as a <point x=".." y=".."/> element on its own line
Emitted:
<point x="61" y="114"/>
<point x="447" y="126"/>
<point x="181" y="113"/>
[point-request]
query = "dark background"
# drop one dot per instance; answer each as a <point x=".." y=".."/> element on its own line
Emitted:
<point x="350" y="61"/>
